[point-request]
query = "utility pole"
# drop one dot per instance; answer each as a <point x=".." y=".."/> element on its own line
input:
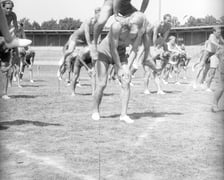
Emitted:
<point x="160" y="7"/>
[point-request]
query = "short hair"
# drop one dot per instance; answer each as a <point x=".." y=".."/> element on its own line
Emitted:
<point x="98" y="9"/>
<point x="4" y="2"/>
<point x="21" y="24"/>
<point x="172" y="37"/>
<point x="215" y="28"/>
<point x="166" y="15"/>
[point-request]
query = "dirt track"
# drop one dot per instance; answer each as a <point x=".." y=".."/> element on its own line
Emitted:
<point x="47" y="134"/>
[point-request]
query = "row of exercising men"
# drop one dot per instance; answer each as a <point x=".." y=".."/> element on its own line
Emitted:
<point x="128" y="30"/>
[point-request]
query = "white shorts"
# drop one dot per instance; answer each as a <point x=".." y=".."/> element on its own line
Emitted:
<point x="214" y="61"/>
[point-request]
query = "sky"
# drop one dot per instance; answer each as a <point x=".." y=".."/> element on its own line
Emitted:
<point x="44" y="10"/>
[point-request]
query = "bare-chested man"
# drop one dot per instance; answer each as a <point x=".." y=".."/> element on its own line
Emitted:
<point x="80" y="36"/>
<point x="112" y="50"/>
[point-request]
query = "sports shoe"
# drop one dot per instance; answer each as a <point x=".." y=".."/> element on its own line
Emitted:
<point x="161" y="92"/>
<point x="31" y="81"/>
<point x="18" y="43"/>
<point x="96" y="116"/>
<point x="5" y="97"/>
<point x="164" y="81"/>
<point x="177" y="83"/>
<point x="131" y="84"/>
<point x="208" y="90"/>
<point x="126" y="119"/>
<point x="147" y="91"/>
<point x="78" y="85"/>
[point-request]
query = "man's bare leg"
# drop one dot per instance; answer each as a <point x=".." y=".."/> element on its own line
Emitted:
<point x="75" y="78"/>
<point x="217" y="96"/>
<point x="146" y="79"/>
<point x="5" y="80"/>
<point x="101" y="74"/>
<point x="105" y="13"/>
<point x="125" y="96"/>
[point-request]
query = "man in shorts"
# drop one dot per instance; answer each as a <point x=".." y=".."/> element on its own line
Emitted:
<point x="5" y="67"/>
<point x="112" y="50"/>
<point x="82" y="59"/>
<point x="158" y="34"/>
<point x="214" y="43"/>
<point x="219" y="90"/>
<point x="81" y="36"/>
<point x="28" y="56"/>
<point x="110" y="7"/>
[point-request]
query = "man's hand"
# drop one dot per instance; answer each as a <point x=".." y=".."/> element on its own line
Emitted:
<point x="91" y="72"/>
<point x="124" y="74"/>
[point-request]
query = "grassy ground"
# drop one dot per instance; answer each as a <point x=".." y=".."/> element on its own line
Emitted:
<point x="46" y="134"/>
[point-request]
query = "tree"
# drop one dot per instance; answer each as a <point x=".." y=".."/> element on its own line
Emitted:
<point x="50" y="25"/>
<point x="26" y="23"/>
<point x="69" y="24"/>
<point x="175" y="22"/>
<point x="206" y="21"/>
<point x="36" y="25"/>
<point x="210" y="20"/>
<point x="222" y="20"/>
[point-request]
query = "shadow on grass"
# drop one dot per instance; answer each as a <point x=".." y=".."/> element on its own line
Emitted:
<point x="23" y="96"/>
<point x="39" y="80"/>
<point x="167" y="92"/>
<point x="32" y="85"/>
<point x="90" y="94"/>
<point x="4" y="125"/>
<point x="146" y="114"/>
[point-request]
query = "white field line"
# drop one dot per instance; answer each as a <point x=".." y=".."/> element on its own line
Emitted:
<point x="49" y="161"/>
<point x="145" y="134"/>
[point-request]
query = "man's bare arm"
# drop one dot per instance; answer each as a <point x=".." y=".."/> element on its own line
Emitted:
<point x="134" y="50"/>
<point x="155" y="31"/>
<point x="14" y="21"/>
<point x="87" y="31"/>
<point x="114" y="40"/>
<point x="166" y="34"/>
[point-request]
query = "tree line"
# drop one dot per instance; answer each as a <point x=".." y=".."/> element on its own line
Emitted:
<point x="69" y="23"/>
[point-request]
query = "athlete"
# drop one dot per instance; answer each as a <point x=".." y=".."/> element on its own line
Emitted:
<point x="83" y="59"/>
<point x="110" y="7"/>
<point x="81" y="36"/>
<point x="219" y="90"/>
<point x="212" y="45"/>
<point x="112" y="50"/>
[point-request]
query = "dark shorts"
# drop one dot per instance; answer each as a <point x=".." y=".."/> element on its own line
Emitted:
<point x="29" y="55"/>
<point x="107" y="58"/>
<point x="126" y="8"/>
<point x="86" y="58"/>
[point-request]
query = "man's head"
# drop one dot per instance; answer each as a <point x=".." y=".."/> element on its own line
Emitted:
<point x="167" y="18"/>
<point x="8" y="6"/>
<point x="137" y="23"/>
<point x="172" y="39"/>
<point x="97" y="12"/>
<point x="217" y="31"/>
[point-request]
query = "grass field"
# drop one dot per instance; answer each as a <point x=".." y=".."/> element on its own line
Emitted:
<point x="48" y="135"/>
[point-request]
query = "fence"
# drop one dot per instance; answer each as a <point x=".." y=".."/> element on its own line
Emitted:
<point x="189" y="35"/>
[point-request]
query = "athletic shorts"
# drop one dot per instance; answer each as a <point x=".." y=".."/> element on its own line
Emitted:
<point x="125" y="8"/>
<point x="214" y="61"/>
<point x="105" y="54"/>
<point x="29" y="54"/>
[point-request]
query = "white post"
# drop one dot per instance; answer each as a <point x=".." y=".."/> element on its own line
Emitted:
<point x="160" y="7"/>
